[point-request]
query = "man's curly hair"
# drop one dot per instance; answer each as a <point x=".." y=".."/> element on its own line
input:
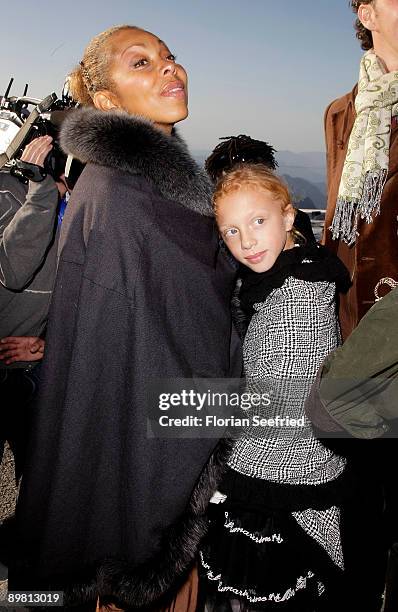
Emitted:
<point x="363" y="34"/>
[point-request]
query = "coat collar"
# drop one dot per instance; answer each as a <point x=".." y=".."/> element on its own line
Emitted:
<point x="134" y="145"/>
<point x="342" y="112"/>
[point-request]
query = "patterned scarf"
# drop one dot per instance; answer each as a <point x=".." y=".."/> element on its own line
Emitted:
<point x="366" y="164"/>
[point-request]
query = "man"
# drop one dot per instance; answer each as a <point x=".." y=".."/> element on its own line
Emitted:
<point x="362" y="163"/>
<point x="361" y="227"/>
<point x="355" y="394"/>
<point x="28" y="252"/>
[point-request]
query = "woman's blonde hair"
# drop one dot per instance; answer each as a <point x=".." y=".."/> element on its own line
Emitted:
<point x="259" y="178"/>
<point x="92" y="73"/>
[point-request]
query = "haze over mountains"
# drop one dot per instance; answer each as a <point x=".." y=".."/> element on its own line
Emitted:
<point x="305" y="174"/>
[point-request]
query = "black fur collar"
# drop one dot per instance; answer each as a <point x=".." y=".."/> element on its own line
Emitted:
<point x="134" y="145"/>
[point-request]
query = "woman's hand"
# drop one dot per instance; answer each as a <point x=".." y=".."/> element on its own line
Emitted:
<point x="21" y="348"/>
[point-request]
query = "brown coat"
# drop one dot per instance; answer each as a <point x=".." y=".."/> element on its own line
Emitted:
<point x="375" y="253"/>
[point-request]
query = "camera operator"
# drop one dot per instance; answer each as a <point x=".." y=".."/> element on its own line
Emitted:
<point x="28" y="261"/>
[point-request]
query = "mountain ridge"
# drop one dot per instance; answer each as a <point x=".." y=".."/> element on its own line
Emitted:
<point x="304" y="172"/>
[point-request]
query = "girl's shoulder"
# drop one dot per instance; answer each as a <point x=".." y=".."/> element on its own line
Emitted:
<point x="297" y="291"/>
<point x="297" y="287"/>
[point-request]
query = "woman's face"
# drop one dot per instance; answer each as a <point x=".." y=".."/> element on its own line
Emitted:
<point x="146" y="79"/>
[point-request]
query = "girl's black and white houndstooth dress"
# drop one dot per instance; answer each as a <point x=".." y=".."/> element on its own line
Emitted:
<point x="274" y="540"/>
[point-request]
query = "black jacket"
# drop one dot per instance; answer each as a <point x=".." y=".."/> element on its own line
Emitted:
<point x="142" y="291"/>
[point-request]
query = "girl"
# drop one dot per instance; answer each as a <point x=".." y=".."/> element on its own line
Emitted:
<point x="142" y="292"/>
<point x="275" y="539"/>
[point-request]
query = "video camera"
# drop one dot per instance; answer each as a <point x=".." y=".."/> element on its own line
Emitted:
<point x="19" y="126"/>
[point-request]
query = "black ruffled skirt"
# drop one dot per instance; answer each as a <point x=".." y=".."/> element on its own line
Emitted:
<point x="257" y="557"/>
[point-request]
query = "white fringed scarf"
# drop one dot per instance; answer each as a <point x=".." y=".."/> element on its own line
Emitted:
<point x="366" y="163"/>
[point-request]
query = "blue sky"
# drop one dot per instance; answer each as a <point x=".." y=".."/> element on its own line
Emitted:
<point x="266" y="68"/>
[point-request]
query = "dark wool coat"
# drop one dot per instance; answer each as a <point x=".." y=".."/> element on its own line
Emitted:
<point x="142" y="291"/>
<point x="374" y="256"/>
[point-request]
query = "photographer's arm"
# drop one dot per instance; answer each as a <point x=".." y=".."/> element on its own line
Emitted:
<point x="27" y="231"/>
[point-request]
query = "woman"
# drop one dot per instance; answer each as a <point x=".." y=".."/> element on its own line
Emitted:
<point x="142" y="292"/>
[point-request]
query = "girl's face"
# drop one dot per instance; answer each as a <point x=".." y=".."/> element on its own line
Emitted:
<point x="254" y="228"/>
<point x="147" y="80"/>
